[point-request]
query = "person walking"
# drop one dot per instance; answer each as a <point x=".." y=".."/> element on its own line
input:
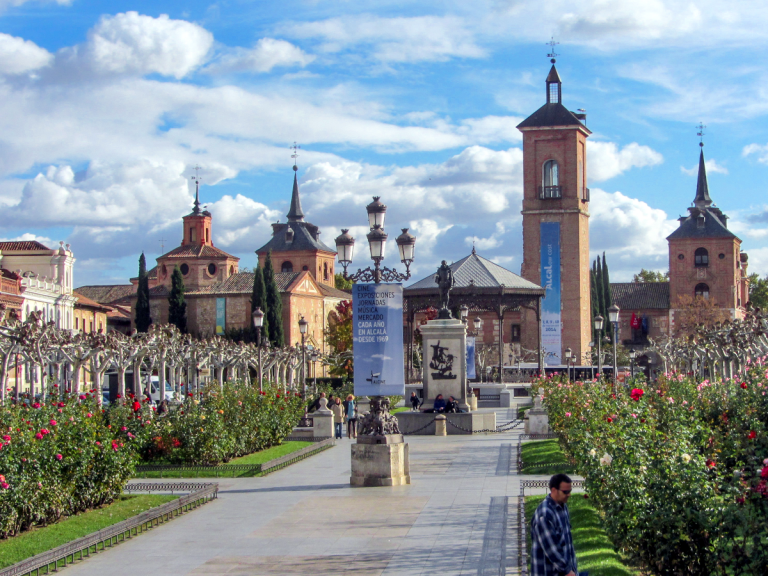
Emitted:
<point x="414" y="402"/>
<point x="350" y="411"/>
<point x="338" y="417"/>
<point x="552" y="552"/>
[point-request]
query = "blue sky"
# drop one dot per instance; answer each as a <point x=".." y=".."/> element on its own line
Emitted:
<point x="108" y="106"/>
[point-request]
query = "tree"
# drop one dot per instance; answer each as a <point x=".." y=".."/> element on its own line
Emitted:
<point x="607" y="296"/>
<point x="259" y="299"/>
<point x="339" y="338"/>
<point x="758" y="291"/>
<point x="693" y="312"/>
<point x="177" y="305"/>
<point x="274" y="312"/>
<point x="341" y="283"/>
<point x="650" y="276"/>
<point x="143" y="319"/>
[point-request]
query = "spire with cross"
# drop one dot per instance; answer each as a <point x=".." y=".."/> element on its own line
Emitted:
<point x="295" y="155"/>
<point x="552" y="54"/>
<point x="197" y="178"/>
<point x="295" y="214"/>
<point x="162" y="245"/>
<point x="701" y="127"/>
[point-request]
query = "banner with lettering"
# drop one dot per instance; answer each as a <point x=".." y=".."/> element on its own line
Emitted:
<point x="377" y="339"/>
<point x="471" y="373"/>
<point x="551" y="327"/>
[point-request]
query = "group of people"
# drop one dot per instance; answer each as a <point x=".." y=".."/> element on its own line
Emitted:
<point x="440" y="406"/>
<point x="343" y="411"/>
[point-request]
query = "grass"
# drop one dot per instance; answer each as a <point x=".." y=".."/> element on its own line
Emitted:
<point x="37" y="540"/>
<point x="594" y="551"/>
<point x="251" y="459"/>
<point x="537" y="454"/>
<point x="400" y="409"/>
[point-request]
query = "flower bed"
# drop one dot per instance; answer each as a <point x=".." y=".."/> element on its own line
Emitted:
<point x="678" y="469"/>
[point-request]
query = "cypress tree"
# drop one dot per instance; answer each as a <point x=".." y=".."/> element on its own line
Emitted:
<point x="143" y="319"/>
<point x="274" y="312"/>
<point x="177" y="305"/>
<point x="259" y="299"/>
<point x="599" y="296"/>
<point x="607" y="298"/>
<point x="593" y="294"/>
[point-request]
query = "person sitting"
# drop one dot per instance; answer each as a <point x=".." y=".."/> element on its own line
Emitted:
<point x="439" y="405"/>
<point x="452" y="407"/>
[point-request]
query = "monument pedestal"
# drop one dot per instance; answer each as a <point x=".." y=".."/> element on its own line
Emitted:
<point x="322" y="419"/>
<point x="536" y="419"/>
<point x="380" y="461"/>
<point x="445" y="361"/>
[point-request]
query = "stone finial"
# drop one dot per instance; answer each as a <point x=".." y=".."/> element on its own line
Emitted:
<point x="323" y="405"/>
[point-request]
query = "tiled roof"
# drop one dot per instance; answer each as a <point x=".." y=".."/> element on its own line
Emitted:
<point x="197" y="251"/>
<point x="332" y="292"/>
<point x="478" y="272"/>
<point x="285" y="279"/>
<point x="107" y="294"/>
<point x="640" y="295"/>
<point x="22" y="245"/>
<point x="84" y="301"/>
<point x="306" y="236"/>
<point x="551" y="115"/>
<point x="159" y="291"/>
<point x="119" y="313"/>
<point x="242" y="283"/>
<point x="714" y="225"/>
<point x="8" y="274"/>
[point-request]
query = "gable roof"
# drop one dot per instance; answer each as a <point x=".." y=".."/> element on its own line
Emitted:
<point x="84" y="301"/>
<point x="478" y="272"/>
<point x="640" y="295"/>
<point x="306" y="236"/>
<point x="107" y="294"/>
<point x="22" y="246"/>
<point x="714" y="225"/>
<point x="332" y="292"/>
<point x="196" y="251"/>
<point x="554" y="114"/>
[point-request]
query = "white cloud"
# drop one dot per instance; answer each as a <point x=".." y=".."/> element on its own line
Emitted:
<point x="711" y="165"/>
<point x="493" y="241"/>
<point x="761" y="150"/>
<point x="605" y="160"/>
<point x="18" y="56"/>
<point x="393" y="40"/>
<point x="29" y="237"/>
<point x="132" y="43"/>
<point x="239" y="220"/>
<point x="267" y="54"/>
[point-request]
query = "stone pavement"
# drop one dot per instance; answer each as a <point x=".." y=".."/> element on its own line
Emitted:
<point x="457" y="517"/>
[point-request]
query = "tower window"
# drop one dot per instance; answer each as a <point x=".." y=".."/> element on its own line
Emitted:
<point x="184" y="269"/>
<point x="553" y="97"/>
<point x="701" y="257"/>
<point x="211" y="268"/>
<point x="286" y="267"/>
<point x="192" y="235"/>
<point x="514" y="333"/>
<point x="551" y="180"/>
<point x="702" y="290"/>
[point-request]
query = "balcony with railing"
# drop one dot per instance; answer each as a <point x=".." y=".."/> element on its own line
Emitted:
<point x="550" y="192"/>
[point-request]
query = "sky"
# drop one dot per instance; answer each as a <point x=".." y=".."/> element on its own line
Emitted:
<point x="109" y="106"/>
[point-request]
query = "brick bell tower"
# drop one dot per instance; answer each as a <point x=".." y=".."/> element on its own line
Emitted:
<point x="556" y="225"/>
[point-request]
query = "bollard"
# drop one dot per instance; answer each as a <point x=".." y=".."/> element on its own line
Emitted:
<point x="441" y="428"/>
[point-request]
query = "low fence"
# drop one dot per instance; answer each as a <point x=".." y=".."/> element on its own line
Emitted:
<point x="522" y="538"/>
<point x="71" y="552"/>
<point x="521" y="439"/>
<point x="232" y="469"/>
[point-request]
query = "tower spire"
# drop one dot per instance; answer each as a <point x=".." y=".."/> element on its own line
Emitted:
<point x="197" y="178"/>
<point x="702" y="199"/>
<point x="554" y="84"/>
<point x="295" y="214"/>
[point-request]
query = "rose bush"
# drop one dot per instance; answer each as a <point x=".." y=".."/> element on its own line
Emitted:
<point x="679" y="468"/>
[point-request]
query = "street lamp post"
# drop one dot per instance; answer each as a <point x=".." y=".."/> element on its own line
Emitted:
<point x="632" y="356"/>
<point x="613" y="315"/>
<point x="464" y="313"/>
<point x="568" y="361"/>
<point x="258" y="322"/>
<point x="314" y="356"/>
<point x="598" y="328"/>
<point x="303" y="331"/>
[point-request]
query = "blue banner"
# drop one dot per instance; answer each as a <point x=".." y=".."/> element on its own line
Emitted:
<point x="471" y="374"/>
<point x="551" y="327"/>
<point x="377" y="339"/>
<point x="221" y="315"/>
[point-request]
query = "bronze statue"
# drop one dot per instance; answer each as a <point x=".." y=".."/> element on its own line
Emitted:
<point x="445" y="281"/>
<point x="379" y="422"/>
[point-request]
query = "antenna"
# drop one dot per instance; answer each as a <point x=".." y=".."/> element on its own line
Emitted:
<point x="701" y="127"/>
<point x="295" y="154"/>
<point x="552" y="54"/>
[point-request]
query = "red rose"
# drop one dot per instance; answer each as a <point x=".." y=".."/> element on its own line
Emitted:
<point x="610" y="419"/>
<point x="636" y="394"/>
<point x="752" y="434"/>
<point x="136" y="406"/>
<point x="764" y="472"/>
<point x="59" y="456"/>
<point x="744" y="385"/>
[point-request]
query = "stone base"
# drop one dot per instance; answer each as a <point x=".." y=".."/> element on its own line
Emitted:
<point x="413" y="422"/>
<point x="383" y="464"/>
<point x="472" y="402"/>
<point x="537" y="421"/>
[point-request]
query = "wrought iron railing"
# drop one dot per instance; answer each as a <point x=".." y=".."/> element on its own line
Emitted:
<point x="550" y="192"/>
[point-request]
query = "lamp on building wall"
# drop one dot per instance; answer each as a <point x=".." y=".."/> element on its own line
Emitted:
<point x="377" y="242"/>
<point x="258" y="322"/>
<point x="598" y="328"/>
<point x="613" y="315"/>
<point x="568" y="352"/>
<point x="303" y="324"/>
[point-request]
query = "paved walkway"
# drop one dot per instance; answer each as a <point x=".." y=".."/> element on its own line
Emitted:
<point x="457" y="517"/>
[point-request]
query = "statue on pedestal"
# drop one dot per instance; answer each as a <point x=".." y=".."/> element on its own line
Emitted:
<point x="445" y="282"/>
<point x="379" y="422"/>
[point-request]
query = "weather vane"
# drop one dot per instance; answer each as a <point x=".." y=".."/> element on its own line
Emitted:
<point x="552" y="54"/>
<point x="197" y="178"/>
<point x="700" y="133"/>
<point x="162" y="245"/>
<point x="295" y="154"/>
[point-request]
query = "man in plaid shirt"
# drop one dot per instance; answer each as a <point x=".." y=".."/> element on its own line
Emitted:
<point x="552" y="552"/>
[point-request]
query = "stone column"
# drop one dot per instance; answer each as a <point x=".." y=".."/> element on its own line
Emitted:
<point x="440" y="425"/>
<point x="322" y="421"/>
<point x="445" y="359"/>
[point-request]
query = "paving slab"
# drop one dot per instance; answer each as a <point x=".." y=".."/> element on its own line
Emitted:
<point x="457" y="517"/>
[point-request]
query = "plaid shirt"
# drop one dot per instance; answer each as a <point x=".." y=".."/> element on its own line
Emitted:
<point x="552" y="552"/>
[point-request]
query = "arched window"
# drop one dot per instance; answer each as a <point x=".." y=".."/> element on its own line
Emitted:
<point x="286" y="267"/>
<point x="325" y="271"/>
<point x="702" y="290"/>
<point x="701" y="257"/>
<point x="550" y="181"/>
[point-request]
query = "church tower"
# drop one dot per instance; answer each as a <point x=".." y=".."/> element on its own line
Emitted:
<point x="556" y="225"/>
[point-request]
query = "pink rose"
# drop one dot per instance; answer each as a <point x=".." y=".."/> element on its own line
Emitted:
<point x="59" y="456"/>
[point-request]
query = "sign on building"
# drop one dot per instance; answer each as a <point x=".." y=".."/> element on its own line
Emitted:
<point x="377" y="339"/>
<point x="221" y="315"/>
<point x="551" y="325"/>
<point x="471" y="374"/>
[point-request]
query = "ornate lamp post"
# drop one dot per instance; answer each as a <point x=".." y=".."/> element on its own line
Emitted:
<point x="568" y="361"/>
<point x="377" y="240"/>
<point x="613" y="315"/>
<point x="632" y="356"/>
<point x="478" y="322"/>
<point x="258" y="322"/>
<point x="598" y="328"/>
<point x="303" y="331"/>
<point x="314" y="356"/>
<point x="463" y="313"/>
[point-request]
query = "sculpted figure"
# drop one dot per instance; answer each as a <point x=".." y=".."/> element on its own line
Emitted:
<point x="445" y="281"/>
